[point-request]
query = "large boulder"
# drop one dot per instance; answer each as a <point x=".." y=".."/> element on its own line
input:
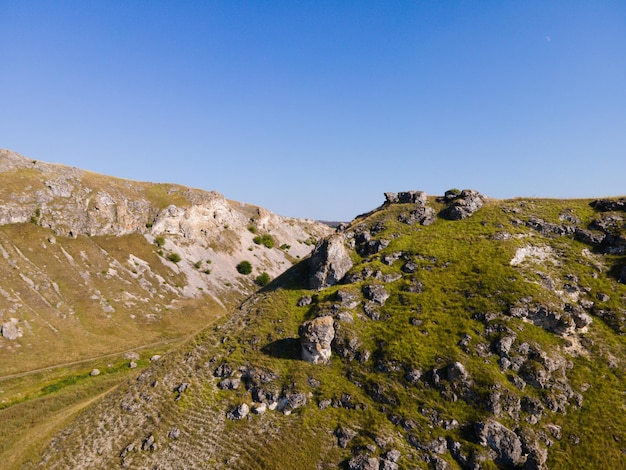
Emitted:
<point x="468" y="202"/>
<point x="330" y="261"/>
<point x="315" y="337"/>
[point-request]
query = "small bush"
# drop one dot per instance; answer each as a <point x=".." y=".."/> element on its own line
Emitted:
<point x="252" y="228"/>
<point x="244" y="267"/>
<point x="159" y="241"/>
<point x="263" y="279"/>
<point x="266" y="240"/>
<point x="174" y="257"/>
<point x="285" y="247"/>
<point x="197" y="264"/>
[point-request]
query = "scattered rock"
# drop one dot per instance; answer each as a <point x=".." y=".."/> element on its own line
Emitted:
<point x="10" y="330"/>
<point x="94" y="372"/>
<point x="259" y="408"/>
<point x="363" y="462"/>
<point x="239" y="412"/>
<point x="131" y="356"/>
<point x="174" y="433"/>
<point x="344" y="436"/>
<point x="315" y="338"/>
<point x="376" y="293"/>
<point x="149" y="444"/>
<point x="230" y="383"/>
<point x="304" y="301"/>
<point x="504" y="442"/>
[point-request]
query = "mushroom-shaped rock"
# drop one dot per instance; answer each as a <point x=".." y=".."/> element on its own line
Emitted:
<point x="315" y="338"/>
<point x="330" y="261"/>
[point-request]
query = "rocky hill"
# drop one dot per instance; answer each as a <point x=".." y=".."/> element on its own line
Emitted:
<point x="93" y="264"/>
<point x="433" y="332"/>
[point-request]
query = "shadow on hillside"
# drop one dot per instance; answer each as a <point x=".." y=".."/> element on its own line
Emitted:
<point x="296" y="277"/>
<point x="286" y="348"/>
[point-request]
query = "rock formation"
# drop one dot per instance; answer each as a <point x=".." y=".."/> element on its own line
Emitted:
<point x="316" y="337"/>
<point x="330" y="261"/>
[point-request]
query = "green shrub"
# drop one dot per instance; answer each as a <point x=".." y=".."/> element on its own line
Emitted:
<point x="244" y="267"/>
<point x="174" y="257"/>
<point x="197" y="264"/>
<point x="159" y="241"/>
<point x="263" y="279"/>
<point x="266" y="240"/>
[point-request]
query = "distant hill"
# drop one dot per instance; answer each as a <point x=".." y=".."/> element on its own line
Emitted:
<point x="433" y="332"/>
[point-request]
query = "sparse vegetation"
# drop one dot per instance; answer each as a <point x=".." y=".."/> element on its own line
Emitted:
<point x="266" y="240"/>
<point x="159" y="241"/>
<point x="174" y="257"/>
<point x="263" y="279"/>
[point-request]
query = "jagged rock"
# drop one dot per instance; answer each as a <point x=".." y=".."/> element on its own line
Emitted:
<point x="330" y="261"/>
<point x="181" y="388"/>
<point x="344" y="436"/>
<point x="589" y="237"/>
<point x="456" y="372"/>
<point x="149" y="443"/>
<point x="423" y="215"/>
<point x="259" y="408"/>
<point x="239" y="412"/>
<point x="504" y="442"/>
<point x="406" y="197"/>
<point x="547" y="228"/>
<point x="503" y="345"/>
<point x="223" y="370"/>
<point x="437" y="463"/>
<point x="393" y="455"/>
<point x="363" y="462"/>
<point x="372" y="310"/>
<point x="255" y="376"/>
<point x="316" y="337"/>
<point x="608" y="205"/>
<point x="348" y="299"/>
<point x="291" y="402"/>
<point x="231" y="383"/>
<point x="465" y="205"/>
<point x="365" y="246"/>
<point x="388" y="465"/>
<point x="376" y="293"/>
<point x="174" y="433"/>
<point x="413" y="376"/>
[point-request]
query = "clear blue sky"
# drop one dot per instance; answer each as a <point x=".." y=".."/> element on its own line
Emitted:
<point x="315" y="108"/>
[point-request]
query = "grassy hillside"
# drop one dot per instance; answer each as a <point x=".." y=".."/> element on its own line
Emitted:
<point x="492" y="341"/>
